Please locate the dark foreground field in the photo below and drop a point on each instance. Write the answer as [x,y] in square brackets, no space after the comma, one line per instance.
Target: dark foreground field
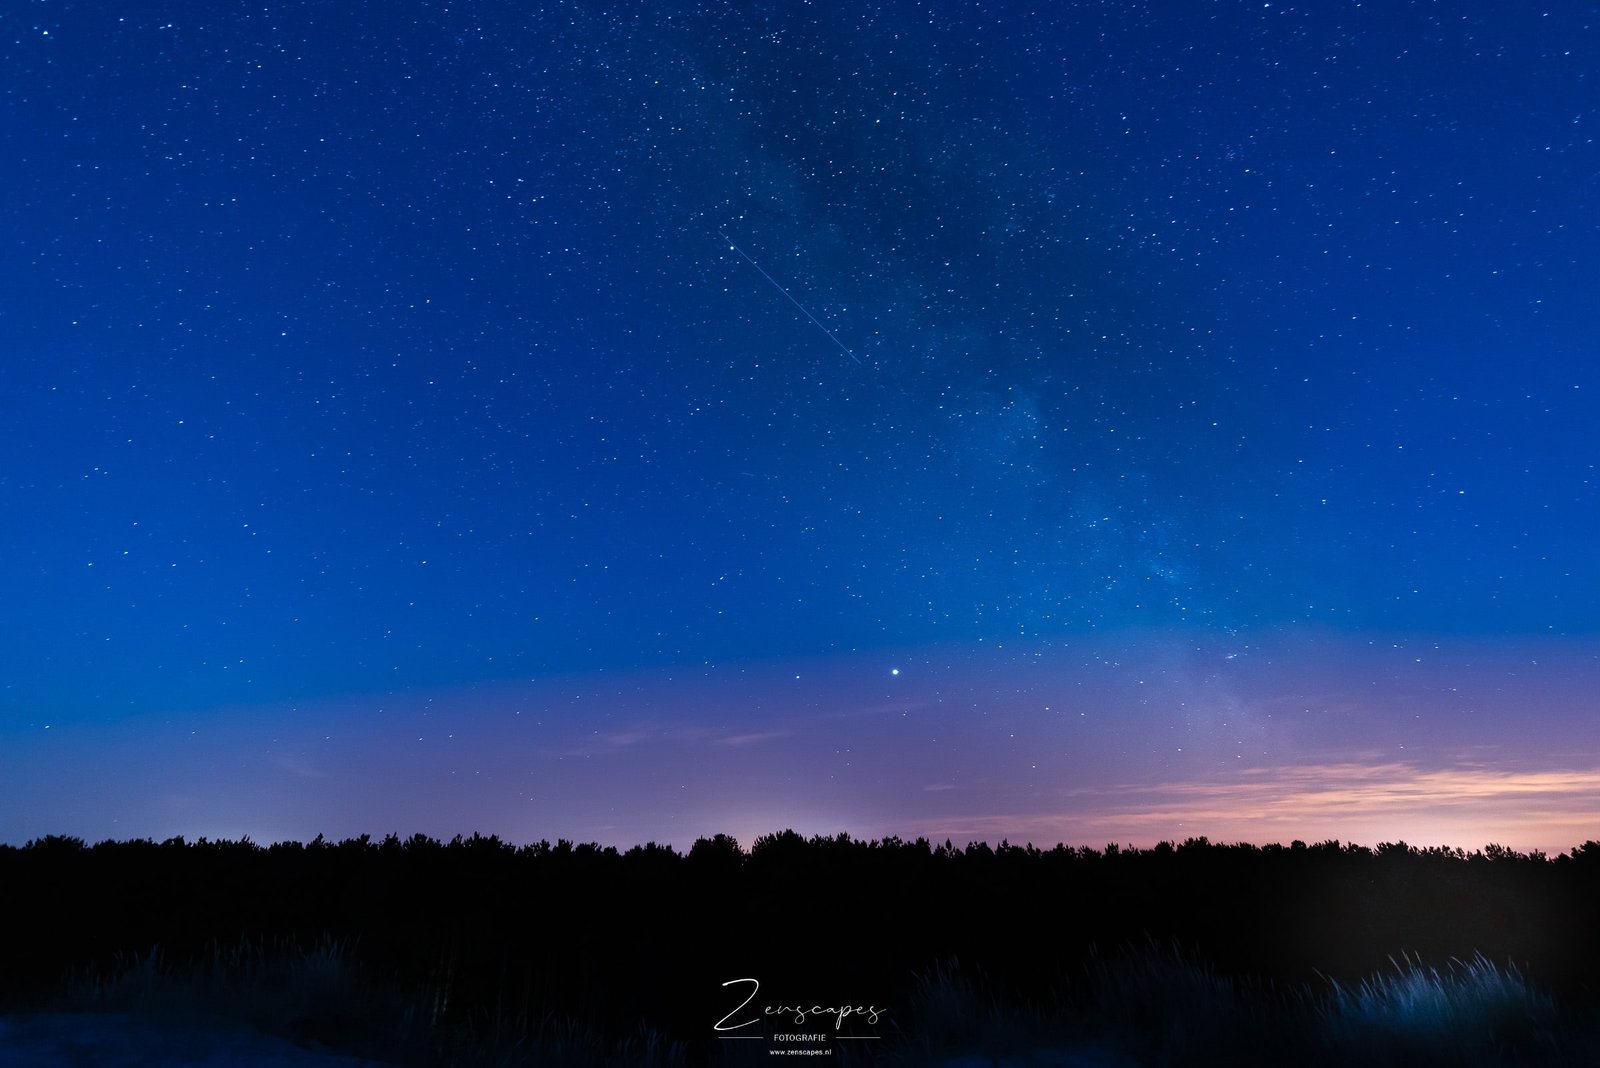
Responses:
[476,952]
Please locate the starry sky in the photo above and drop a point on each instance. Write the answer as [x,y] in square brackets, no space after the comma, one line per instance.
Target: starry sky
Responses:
[1080,421]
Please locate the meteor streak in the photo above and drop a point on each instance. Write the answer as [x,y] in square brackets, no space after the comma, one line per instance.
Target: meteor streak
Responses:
[785,292]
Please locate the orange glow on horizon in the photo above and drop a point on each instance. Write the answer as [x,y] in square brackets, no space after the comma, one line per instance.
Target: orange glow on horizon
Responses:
[1468,808]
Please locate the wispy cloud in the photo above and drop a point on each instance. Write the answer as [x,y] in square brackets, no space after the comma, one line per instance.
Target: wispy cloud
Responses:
[296,766]
[741,741]
[1375,789]
[601,742]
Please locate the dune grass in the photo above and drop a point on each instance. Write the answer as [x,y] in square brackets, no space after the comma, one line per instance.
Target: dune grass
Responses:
[1158,1009]
[1468,1013]
[311,994]
[1152,1008]
[318,997]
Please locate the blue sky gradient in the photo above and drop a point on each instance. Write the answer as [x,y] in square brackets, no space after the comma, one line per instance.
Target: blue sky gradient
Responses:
[433,358]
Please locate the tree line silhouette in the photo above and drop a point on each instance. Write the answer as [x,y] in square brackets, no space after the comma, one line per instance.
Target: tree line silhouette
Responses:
[651,934]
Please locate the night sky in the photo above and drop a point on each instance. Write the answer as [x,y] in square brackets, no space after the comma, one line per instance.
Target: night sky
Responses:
[1073,422]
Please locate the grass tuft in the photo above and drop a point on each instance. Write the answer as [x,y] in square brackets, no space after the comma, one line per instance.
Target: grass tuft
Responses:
[1471,1013]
